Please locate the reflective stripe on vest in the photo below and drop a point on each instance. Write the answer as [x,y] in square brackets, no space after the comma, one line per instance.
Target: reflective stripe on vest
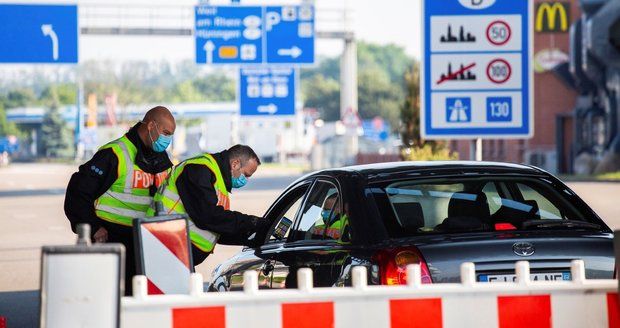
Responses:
[167,200]
[125,200]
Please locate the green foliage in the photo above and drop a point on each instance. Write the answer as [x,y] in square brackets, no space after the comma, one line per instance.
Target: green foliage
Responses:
[410,112]
[20,97]
[64,94]
[56,137]
[377,96]
[324,94]
[380,83]
[415,148]
[428,152]
[6,127]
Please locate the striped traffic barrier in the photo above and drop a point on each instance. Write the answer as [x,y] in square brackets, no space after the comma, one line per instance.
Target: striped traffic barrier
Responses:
[163,254]
[524,303]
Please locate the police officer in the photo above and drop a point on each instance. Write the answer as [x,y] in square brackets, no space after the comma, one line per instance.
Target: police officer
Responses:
[117,185]
[200,187]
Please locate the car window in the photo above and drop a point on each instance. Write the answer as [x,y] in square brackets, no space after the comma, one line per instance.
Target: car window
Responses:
[319,212]
[471,205]
[546,209]
[287,207]
[493,197]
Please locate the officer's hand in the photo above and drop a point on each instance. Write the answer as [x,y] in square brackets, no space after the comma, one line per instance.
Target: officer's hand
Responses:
[262,225]
[101,236]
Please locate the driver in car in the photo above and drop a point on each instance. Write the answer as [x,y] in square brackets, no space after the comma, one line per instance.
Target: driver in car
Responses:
[332,222]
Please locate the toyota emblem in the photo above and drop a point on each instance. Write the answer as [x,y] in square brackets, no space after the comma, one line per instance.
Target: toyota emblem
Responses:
[523,249]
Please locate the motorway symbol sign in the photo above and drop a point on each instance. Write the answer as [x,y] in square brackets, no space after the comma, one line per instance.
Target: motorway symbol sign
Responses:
[476,69]
[254,34]
[38,33]
[267,91]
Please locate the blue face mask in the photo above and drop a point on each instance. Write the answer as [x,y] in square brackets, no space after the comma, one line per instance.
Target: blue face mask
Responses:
[325,214]
[239,181]
[162,142]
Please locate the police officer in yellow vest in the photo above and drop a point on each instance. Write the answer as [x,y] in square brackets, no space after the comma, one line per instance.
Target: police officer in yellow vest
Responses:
[200,187]
[118,183]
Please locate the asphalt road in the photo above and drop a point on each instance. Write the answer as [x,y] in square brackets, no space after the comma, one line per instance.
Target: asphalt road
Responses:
[31,215]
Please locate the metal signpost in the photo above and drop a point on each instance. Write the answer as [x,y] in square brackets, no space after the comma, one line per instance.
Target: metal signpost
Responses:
[267,91]
[254,34]
[476,69]
[38,33]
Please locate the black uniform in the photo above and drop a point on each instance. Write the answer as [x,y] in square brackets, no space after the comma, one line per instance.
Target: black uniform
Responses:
[195,186]
[94,178]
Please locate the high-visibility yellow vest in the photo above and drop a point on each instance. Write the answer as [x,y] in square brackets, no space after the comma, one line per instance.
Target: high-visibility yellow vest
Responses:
[334,230]
[167,200]
[128,198]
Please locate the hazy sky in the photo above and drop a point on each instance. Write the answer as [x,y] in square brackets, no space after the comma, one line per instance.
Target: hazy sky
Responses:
[386,21]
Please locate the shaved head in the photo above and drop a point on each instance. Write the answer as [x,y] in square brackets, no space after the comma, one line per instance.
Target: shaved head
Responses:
[158,120]
[158,114]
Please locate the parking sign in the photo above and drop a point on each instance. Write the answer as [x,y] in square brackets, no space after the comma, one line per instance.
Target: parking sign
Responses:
[476,69]
[254,34]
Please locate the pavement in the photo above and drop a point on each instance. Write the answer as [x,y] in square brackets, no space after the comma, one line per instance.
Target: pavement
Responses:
[31,215]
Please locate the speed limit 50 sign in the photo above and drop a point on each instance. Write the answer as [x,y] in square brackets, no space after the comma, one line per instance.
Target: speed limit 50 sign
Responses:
[477,78]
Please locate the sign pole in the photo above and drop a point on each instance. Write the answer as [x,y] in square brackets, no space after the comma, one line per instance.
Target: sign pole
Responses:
[475,150]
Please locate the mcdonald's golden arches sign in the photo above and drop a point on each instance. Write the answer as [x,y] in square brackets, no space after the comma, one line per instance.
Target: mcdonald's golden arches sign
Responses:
[552,16]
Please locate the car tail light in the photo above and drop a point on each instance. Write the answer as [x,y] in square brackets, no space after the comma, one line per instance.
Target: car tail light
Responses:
[504,226]
[393,265]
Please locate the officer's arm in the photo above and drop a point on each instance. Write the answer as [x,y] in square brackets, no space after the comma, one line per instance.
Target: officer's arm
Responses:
[199,198]
[91,181]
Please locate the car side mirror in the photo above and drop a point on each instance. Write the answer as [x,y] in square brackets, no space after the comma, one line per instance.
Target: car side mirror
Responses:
[280,231]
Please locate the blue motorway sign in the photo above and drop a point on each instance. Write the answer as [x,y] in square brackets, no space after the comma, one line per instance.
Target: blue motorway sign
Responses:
[267,91]
[254,34]
[477,74]
[38,33]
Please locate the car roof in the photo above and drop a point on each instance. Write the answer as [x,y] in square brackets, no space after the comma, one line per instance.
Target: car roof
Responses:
[380,171]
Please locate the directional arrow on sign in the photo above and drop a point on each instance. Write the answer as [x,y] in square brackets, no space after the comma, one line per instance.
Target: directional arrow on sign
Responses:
[209,47]
[48,30]
[294,52]
[268,109]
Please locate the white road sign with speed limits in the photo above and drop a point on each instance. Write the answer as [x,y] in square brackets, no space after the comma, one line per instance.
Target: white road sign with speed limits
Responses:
[477,73]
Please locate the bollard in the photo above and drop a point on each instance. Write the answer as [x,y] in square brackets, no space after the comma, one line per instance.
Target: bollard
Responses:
[414,275]
[578,271]
[250,282]
[140,284]
[196,284]
[522,271]
[359,278]
[468,274]
[304,279]
[83,232]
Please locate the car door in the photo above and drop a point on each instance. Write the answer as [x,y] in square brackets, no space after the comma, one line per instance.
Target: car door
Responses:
[262,258]
[320,239]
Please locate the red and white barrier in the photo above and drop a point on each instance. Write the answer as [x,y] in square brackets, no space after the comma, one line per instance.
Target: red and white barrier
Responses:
[163,254]
[525,303]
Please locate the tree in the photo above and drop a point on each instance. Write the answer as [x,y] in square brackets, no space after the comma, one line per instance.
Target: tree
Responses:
[21,97]
[6,127]
[323,94]
[410,112]
[56,139]
[65,92]
[377,96]
[414,147]
[380,83]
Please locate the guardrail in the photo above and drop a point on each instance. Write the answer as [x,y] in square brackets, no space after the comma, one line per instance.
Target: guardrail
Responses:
[524,303]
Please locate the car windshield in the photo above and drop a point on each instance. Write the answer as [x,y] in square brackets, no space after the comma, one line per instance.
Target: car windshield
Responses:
[475,204]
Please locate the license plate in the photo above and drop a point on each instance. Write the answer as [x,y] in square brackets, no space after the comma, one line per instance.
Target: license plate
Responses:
[551,276]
